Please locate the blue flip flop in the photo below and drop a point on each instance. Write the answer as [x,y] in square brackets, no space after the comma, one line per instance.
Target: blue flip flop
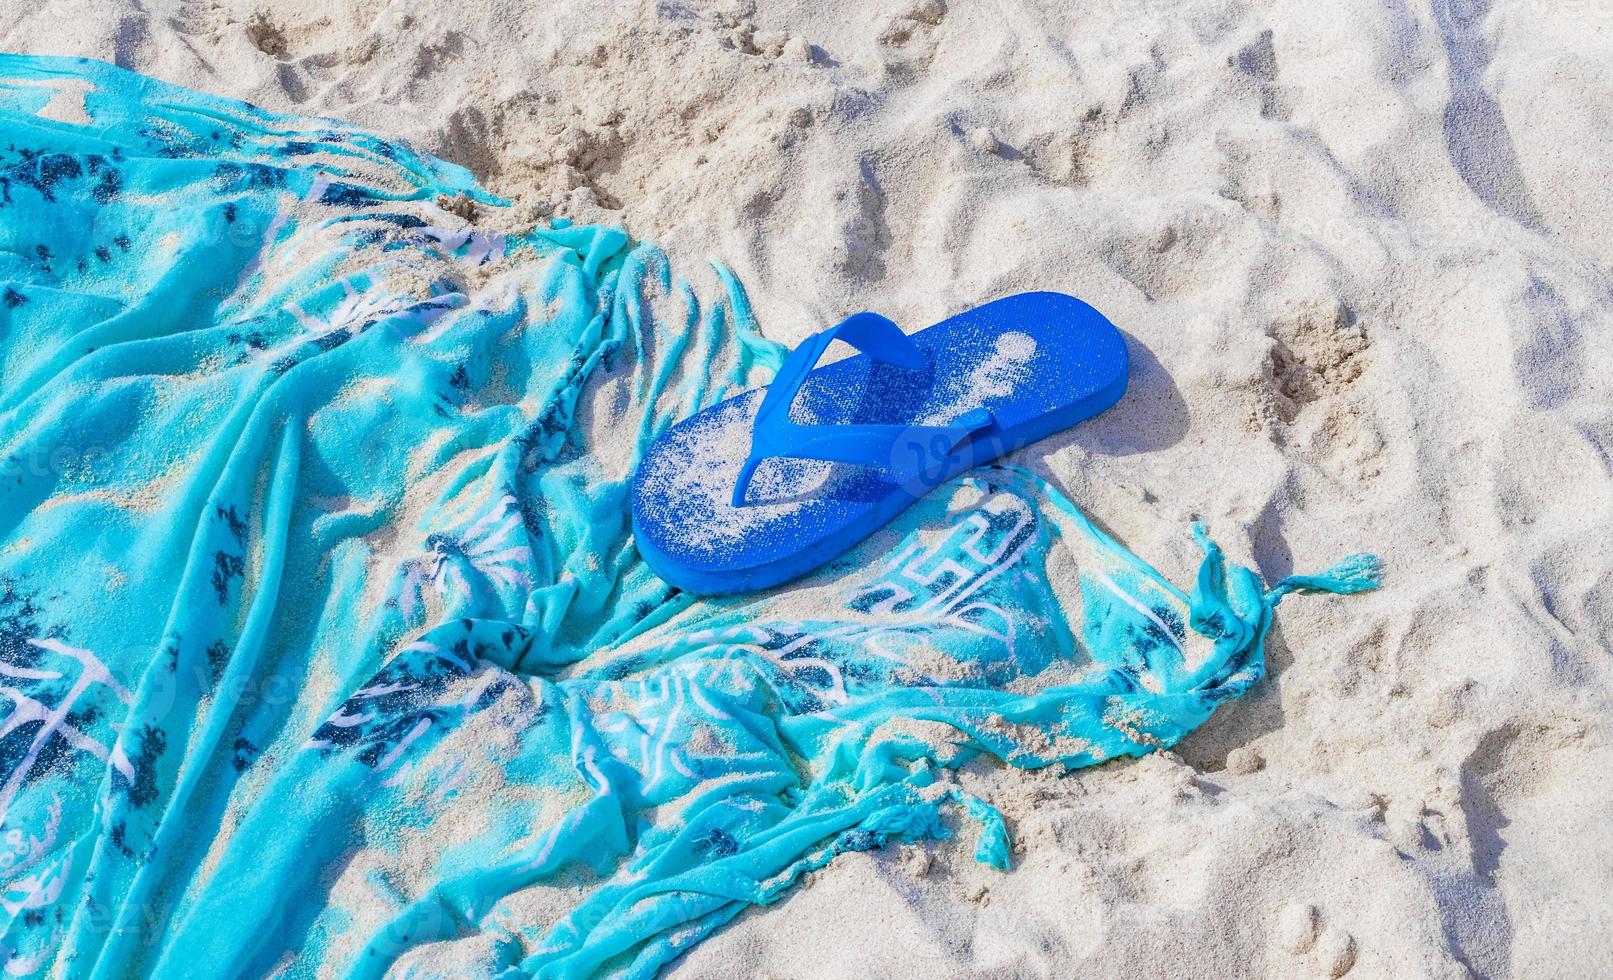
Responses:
[774,482]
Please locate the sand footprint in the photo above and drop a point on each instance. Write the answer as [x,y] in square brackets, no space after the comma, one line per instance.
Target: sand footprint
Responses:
[1318,351]
[913,23]
[267,36]
[1300,931]
[195,18]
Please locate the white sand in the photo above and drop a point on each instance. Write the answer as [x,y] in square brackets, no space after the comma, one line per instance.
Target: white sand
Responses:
[1363,252]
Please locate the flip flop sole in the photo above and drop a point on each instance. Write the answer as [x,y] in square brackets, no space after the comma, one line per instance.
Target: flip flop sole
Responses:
[1039,362]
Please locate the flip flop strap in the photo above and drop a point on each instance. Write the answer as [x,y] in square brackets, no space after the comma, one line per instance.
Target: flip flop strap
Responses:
[904,450]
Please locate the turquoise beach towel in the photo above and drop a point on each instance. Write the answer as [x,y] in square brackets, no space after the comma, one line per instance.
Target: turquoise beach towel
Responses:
[324,647]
